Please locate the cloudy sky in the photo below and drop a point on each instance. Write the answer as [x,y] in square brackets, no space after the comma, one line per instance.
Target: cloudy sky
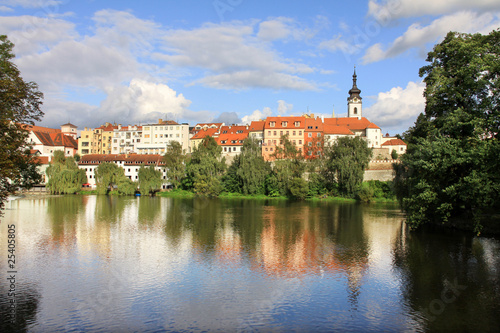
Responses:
[133,62]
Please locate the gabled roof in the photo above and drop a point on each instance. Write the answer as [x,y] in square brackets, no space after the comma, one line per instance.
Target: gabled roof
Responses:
[232,135]
[205,132]
[56,140]
[338,130]
[354,124]
[289,120]
[257,126]
[316,125]
[34,128]
[394,142]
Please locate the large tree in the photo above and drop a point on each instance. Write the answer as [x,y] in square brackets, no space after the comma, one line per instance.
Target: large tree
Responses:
[206,167]
[450,170]
[20,105]
[150,179]
[346,161]
[174,160]
[64,175]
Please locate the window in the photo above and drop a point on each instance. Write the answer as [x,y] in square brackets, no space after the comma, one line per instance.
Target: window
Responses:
[146,135]
[309,135]
[281,133]
[300,132]
[274,133]
[293,133]
[268,132]
[310,144]
[319,135]
[234,148]
[297,124]
[300,142]
[355,110]
[272,123]
[284,124]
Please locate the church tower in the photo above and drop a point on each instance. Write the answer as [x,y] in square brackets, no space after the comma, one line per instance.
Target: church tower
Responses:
[354,100]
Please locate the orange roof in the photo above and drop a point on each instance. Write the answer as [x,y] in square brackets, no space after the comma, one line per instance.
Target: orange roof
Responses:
[107,128]
[314,125]
[233,135]
[257,125]
[394,142]
[205,132]
[372,125]
[34,128]
[334,129]
[351,123]
[132,159]
[41,159]
[279,122]
[56,139]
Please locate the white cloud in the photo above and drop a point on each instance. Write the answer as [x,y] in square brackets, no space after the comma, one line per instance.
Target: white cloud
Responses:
[274,29]
[386,10]
[418,36]
[6,9]
[397,108]
[234,57]
[257,115]
[256,79]
[143,101]
[31,3]
[284,107]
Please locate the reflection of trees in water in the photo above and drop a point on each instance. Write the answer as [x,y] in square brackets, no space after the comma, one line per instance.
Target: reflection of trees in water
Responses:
[450,279]
[27,299]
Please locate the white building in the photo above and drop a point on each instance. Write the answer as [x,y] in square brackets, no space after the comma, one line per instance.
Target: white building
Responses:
[125,139]
[156,137]
[130,163]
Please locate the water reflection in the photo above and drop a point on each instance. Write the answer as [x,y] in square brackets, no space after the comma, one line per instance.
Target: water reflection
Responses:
[150,264]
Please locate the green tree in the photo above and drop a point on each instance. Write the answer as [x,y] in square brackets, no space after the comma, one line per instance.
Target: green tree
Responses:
[108,175]
[299,188]
[20,105]
[231,180]
[174,160]
[150,179]
[394,154]
[253,169]
[205,169]
[346,161]
[64,175]
[450,170]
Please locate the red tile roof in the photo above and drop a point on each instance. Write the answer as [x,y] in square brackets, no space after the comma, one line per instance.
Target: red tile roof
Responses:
[203,133]
[394,142]
[352,123]
[316,125]
[257,125]
[56,139]
[334,129]
[34,128]
[226,139]
[278,122]
[132,159]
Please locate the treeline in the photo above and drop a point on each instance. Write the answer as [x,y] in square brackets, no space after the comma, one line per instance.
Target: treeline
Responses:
[337,172]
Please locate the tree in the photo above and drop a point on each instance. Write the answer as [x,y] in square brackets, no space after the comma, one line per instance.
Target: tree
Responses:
[174,160]
[394,154]
[64,175]
[450,170]
[150,179]
[346,161]
[205,169]
[108,175]
[253,169]
[20,105]
[299,188]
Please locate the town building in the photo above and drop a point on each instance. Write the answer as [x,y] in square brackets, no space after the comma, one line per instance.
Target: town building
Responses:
[47,140]
[97,140]
[156,137]
[130,163]
[125,139]
[277,127]
[256,131]
[231,139]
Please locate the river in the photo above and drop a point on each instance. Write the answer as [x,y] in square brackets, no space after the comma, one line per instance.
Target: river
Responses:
[126,264]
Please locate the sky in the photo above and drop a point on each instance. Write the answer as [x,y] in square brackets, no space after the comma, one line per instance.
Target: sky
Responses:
[233,61]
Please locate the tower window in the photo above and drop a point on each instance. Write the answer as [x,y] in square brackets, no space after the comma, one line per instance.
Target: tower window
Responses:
[355,110]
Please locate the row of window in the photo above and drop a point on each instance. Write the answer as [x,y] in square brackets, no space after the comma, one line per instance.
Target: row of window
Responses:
[282,133]
[284,124]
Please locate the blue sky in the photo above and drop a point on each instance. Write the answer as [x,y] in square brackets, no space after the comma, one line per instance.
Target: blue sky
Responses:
[235,61]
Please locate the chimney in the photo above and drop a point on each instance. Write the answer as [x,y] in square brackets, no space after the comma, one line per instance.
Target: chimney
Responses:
[160,121]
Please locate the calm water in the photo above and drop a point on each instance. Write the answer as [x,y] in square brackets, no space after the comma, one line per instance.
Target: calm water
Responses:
[110,264]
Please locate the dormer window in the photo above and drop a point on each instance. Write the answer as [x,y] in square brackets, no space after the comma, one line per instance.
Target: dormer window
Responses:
[297,124]
[272,123]
[284,124]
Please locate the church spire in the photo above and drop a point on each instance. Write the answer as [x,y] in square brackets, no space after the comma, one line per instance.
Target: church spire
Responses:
[354,92]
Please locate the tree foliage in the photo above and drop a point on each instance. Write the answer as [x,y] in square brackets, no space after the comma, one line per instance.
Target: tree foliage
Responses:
[150,179]
[450,169]
[205,169]
[175,160]
[20,105]
[108,176]
[253,169]
[346,161]
[64,175]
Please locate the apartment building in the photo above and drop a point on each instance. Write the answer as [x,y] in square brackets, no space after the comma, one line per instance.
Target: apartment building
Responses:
[156,137]
[277,127]
[125,139]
